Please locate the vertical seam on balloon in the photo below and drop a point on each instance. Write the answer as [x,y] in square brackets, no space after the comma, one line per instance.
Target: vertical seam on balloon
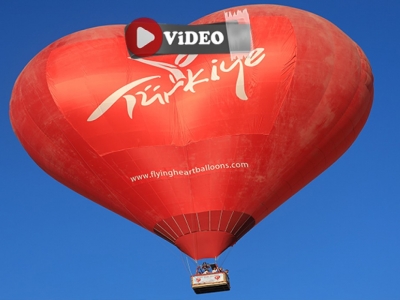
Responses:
[231,171]
[184,217]
[198,221]
[177,225]
[244,229]
[165,233]
[209,220]
[151,186]
[248,203]
[220,218]
[236,223]
[226,228]
[240,227]
[219,224]
[171,228]
[190,187]
[266,141]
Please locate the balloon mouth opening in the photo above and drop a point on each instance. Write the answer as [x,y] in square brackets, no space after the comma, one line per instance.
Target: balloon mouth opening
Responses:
[206,234]
[203,245]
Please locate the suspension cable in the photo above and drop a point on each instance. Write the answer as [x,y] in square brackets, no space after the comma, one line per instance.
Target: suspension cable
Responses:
[227,254]
[187,266]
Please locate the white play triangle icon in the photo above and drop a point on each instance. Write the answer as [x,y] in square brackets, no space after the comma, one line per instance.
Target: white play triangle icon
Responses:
[143,37]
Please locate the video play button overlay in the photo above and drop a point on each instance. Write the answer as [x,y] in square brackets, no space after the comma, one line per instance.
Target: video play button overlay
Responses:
[143,37]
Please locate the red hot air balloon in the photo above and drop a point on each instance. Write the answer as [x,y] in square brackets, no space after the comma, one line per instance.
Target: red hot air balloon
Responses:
[197,149]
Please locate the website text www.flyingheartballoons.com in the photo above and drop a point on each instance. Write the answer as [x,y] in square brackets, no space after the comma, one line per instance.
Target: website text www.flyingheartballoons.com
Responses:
[195,170]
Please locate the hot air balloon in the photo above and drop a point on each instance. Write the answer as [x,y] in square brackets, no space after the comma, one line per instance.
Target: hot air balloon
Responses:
[197,149]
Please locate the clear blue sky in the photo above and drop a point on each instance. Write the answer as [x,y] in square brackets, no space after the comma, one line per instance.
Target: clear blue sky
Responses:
[338,238]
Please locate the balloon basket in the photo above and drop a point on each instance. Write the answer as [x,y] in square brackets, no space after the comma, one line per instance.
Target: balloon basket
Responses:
[210,283]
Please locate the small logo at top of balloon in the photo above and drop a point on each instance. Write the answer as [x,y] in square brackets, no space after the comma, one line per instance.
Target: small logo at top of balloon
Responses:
[145,37]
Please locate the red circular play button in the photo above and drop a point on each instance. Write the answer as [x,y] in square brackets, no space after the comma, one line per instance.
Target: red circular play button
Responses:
[143,37]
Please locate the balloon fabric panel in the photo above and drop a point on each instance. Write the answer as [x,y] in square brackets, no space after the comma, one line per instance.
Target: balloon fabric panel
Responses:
[197,149]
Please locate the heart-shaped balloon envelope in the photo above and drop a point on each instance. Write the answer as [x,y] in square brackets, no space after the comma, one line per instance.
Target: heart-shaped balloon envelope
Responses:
[195,148]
